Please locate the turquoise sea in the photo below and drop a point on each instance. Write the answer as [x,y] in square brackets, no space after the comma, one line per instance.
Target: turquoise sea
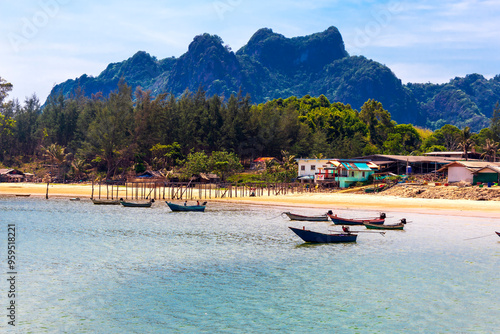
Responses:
[84,268]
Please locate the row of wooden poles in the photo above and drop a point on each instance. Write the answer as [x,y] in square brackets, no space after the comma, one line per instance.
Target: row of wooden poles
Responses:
[186,190]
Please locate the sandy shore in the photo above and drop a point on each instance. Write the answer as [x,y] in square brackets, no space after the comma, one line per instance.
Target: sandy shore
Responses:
[324,201]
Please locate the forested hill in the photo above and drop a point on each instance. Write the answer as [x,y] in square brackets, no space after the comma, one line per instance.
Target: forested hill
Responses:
[272,66]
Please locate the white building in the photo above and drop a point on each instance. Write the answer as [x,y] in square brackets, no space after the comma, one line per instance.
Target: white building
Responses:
[472,171]
[308,168]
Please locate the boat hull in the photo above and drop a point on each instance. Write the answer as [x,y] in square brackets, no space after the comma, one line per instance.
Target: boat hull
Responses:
[293,216]
[498,233]
[105,201]
[384,227]
[180,208]
[316,237]
[136,205]
[347,221]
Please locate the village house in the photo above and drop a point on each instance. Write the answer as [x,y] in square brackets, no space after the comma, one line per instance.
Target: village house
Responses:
[308,168]
[472,171]
[335,172]
[260,163]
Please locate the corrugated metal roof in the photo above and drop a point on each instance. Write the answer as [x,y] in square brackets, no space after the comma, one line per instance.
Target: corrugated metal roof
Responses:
[349,165]
[471,165]
[407,158]
[496,169]
[363,166]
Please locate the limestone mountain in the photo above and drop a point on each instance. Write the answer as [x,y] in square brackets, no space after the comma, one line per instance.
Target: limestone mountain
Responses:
[273,66]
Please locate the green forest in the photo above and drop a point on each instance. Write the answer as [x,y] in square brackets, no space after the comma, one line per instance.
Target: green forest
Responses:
[108,137]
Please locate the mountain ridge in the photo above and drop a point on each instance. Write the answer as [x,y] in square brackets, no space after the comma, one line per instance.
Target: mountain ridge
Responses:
[273,66]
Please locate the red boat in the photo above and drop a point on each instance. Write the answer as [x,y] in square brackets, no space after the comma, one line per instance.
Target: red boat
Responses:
[498,233]
[361,221]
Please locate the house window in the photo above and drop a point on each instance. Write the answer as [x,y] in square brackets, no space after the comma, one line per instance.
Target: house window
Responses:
[363,174]
[302,167]
[352,174]
[313,167]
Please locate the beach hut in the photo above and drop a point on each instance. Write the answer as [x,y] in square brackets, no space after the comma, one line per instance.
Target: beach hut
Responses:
[11,175]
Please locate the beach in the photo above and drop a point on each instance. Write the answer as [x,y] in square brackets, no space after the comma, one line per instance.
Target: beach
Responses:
[324,201]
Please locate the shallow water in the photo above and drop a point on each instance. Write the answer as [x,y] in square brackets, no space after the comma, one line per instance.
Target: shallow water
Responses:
[84,268]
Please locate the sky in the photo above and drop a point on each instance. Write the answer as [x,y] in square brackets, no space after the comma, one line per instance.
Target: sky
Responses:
[46,42]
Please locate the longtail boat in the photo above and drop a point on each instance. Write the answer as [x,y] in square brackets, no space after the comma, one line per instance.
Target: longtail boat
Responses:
[361,221]
[293,216]
[177,208]
[137,205]
[498,233]
[399,226]
[317,237]
[106,201]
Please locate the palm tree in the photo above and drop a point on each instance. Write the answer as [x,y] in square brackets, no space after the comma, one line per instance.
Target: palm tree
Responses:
[56,155]
[289,162]
[490,150]
[79,166]
[466,141]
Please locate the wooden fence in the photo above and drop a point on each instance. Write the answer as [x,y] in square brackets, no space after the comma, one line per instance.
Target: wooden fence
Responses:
[188,190]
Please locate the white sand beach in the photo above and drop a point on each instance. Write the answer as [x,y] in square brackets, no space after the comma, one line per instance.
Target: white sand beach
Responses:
[325,201]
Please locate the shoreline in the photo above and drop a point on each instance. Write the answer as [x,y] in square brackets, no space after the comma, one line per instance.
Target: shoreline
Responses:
[324,201]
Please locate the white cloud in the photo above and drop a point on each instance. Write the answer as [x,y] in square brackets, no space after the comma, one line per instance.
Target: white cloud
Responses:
[422,72]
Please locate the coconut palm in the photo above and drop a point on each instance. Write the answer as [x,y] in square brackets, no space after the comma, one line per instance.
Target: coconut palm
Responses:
[56,155]
[79,166]
[490,150]
[466,141]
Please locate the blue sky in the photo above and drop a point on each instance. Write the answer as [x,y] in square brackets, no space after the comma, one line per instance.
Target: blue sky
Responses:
[46,42]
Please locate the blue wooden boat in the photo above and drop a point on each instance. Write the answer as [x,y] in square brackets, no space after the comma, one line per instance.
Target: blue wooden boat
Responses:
[177,207]
[317,237]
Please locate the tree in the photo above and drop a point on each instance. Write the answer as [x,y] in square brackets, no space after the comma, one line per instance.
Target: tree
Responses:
[165,156]
[79,168]
[403,140]
[57,156]
[5,88]
[495,122]
[196,163]
[490,150]
[6,134]
[448,136]
[224,164]
[109,135]
[378,121]
[26,119]
[466,141]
